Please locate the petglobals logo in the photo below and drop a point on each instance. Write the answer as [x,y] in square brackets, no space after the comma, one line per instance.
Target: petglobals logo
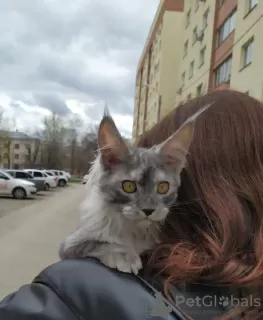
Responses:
[209,301]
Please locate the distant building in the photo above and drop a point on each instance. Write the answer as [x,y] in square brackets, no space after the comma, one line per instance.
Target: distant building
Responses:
[19,150]
[158,67]
[196,49]
[219,46]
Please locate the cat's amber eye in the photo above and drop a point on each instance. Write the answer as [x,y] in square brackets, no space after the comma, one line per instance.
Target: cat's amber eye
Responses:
[129,186]
[163,187]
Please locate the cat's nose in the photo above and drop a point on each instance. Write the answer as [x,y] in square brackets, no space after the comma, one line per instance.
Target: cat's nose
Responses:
[148,212]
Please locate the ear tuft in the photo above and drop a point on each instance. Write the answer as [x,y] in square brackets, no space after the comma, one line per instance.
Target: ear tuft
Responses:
[106,111]
[176,147]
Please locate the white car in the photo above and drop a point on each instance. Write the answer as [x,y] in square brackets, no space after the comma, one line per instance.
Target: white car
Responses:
[17,188]
[50,181]
[51,175]
[67,174]
[85,179]
[62,178]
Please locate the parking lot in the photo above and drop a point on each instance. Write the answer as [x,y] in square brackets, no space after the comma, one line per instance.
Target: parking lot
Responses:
[31,231]
[8,204]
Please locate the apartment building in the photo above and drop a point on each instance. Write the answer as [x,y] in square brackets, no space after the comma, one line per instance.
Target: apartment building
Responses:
[196,49]
[18,150]
[231,41]
[156,77]
[246,72]
[220,48]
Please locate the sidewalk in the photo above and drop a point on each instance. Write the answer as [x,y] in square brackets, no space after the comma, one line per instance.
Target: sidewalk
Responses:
[30,237]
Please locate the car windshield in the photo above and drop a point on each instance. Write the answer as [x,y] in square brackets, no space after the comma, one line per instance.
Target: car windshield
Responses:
[7,174]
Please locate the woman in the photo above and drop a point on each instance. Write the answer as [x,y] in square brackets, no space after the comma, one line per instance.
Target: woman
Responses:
[211,260]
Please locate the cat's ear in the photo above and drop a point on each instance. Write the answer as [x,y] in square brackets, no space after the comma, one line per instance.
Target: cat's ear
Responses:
[175,148]
[112,147]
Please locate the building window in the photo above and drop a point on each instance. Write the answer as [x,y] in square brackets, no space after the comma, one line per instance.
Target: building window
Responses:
[223,72]
[227,27]
[16,146]
[188,18]
[196,4]
[191,69]
[183,78]
[185,48]
[246,54]
[189,96]
[159,109]
[5,155]
[199,90]
[205,19]
[156,67]
[194,35]
[202,57]
[251,5]
[16,156]
[6,145]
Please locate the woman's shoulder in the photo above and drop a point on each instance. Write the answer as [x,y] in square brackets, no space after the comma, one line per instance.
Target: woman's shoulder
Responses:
[88,274]
[89,288]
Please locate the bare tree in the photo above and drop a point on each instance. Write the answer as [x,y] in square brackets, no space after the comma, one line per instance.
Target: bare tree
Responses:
[33,150]
[53,141]
[5,140]
[73,126]
[87,150]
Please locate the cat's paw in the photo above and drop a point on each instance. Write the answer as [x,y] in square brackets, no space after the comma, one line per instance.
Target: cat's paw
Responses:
[65,251]
[69,250]
[125,262]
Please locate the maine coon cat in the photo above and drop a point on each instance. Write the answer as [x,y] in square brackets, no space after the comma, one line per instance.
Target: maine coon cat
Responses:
[129,194]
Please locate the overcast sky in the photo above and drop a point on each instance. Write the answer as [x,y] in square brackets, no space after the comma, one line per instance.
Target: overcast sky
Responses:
[70,56]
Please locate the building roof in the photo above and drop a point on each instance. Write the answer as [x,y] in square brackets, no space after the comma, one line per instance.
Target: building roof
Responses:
[16,135]
[164,5]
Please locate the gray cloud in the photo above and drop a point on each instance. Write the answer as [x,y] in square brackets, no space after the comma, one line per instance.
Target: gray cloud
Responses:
[85,50]
[53,103]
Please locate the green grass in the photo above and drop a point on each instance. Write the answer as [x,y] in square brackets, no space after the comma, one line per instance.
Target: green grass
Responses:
[75,181]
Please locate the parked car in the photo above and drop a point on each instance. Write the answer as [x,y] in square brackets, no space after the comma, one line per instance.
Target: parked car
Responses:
[17,188]
[51,182]
[85,179]
[67,174]
[51,175]
[62,178]
[20,174]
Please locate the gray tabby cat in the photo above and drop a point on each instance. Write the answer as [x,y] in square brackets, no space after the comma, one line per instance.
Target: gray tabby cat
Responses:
[129,194]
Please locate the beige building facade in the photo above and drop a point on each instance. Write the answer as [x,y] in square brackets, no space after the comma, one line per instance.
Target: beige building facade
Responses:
[219,46]
[18,150]
[196,49]
[246,73]
[156,80]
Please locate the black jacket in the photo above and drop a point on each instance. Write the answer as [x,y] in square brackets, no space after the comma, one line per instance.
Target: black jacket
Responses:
[87,290]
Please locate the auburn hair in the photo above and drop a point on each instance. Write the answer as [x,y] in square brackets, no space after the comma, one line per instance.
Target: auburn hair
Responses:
[215,230]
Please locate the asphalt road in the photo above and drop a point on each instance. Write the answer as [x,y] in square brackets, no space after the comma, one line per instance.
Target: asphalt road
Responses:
[30,236]
[9,204]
